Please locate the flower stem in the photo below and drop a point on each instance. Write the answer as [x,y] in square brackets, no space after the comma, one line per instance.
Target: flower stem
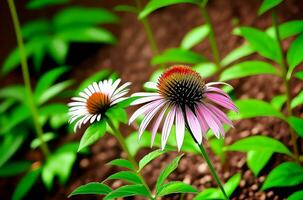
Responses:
[211,36]
[131,158]
[26,78]
[284,67]
[148,31]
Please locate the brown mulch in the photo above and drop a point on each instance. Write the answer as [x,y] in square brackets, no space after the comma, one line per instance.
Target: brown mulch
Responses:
[130,58]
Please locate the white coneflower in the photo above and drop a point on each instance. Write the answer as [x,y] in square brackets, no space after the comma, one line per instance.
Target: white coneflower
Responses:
[183,99]
[95,100]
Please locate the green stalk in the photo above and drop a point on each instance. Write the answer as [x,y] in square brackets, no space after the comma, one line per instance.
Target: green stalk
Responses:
[211,36]
[148,31]
[131,158]
[284,67]
[26,78]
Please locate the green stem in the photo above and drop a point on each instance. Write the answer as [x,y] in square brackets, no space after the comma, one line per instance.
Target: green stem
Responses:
[211,36]
[212,170]
[26,78]
[148,31]
[284,67]
[131,158]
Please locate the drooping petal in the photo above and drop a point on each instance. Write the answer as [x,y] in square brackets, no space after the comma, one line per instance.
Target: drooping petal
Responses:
[217,90]
[218,83]
[144,94]
[157,123]
[221,115]
[193,124]
[145,108]
[180,127]
[202,121]
[146,99]
[222,101]
[167,126]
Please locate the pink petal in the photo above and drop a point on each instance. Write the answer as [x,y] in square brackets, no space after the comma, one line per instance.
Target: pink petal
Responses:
[217,90]
[194,124]
[157,124]
[145,100]
[221,115]
[167,126]
[180,127]
[222,101]
[217,83]
[202,121]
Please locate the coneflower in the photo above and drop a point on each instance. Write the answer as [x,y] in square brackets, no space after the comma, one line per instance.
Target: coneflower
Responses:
[182,98]
[95,100]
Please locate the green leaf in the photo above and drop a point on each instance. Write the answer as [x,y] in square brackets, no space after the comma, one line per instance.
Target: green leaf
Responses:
[58,49]
[53,109]
[297,124]
[177,55]
[299,75]
[127,191]
[256,160]
[236,54]
[259,143]
[46,138]
[122,163]
[53,91]
[91,188]
[176,187]
[195,36]
[156,4]
[287,29]
[38,4]
[35,27]
[149,157]
[65,154]
[166,172]
[10,144]
[296,195]
[26,184]
[48,79]
[216,146]
[87,34]
[16,92]
[249,108]
[116,113]
[80,16]
[262,43]
[126,8]
[92,134]
[13,168]
[295,54]
[205,69]
[278,101]
[248,68]
[268,4]
[284,175]
[298,100]
[131,177]
[215,193]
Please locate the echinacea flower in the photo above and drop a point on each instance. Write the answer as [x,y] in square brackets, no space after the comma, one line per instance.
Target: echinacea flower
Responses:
[95,100]
[182,98]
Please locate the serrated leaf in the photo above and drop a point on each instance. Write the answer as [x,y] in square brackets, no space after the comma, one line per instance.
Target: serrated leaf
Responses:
[298,100]
[296,195]
[248,68]
[26,183]
[177,55]
[156,4]
[294,55]
[122,163]
[256,160]
[284,175]
[13,168]
[48,79]
[149,157]
[80,16]
[92,134]
[166,172]
[127,191]
[236,54]
[297,124]
[91,188]
[176,187]
[259,143]
[262,43]
[131,177]
[195,36]
[260,109]
[268,4]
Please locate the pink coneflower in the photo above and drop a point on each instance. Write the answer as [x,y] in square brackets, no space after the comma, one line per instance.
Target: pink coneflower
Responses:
[182,98]
[95,100]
